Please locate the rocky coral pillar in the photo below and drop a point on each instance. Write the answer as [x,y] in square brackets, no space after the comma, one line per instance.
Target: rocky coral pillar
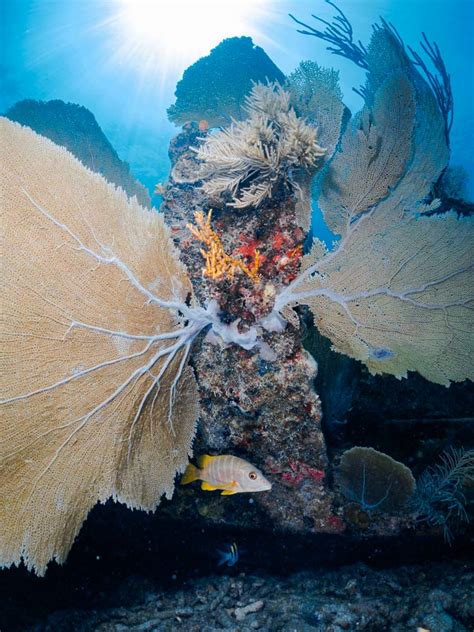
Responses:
[258,404]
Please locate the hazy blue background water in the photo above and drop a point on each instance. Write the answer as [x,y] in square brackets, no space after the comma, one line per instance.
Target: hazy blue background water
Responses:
[92,53]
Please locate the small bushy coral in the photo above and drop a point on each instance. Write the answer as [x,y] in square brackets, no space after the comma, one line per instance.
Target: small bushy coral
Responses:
[439,499]
[251,159]
[219,264]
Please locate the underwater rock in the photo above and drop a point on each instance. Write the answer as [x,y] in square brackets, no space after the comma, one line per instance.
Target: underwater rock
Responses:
[214,88]
[260,406]
[75,127]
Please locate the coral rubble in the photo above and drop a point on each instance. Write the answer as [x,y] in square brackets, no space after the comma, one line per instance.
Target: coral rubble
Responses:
[357,597]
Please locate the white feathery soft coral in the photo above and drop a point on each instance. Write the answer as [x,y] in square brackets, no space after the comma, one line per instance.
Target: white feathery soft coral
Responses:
[251,158]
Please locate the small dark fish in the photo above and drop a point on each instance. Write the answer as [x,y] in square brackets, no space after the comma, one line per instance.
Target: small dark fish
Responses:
[229,556]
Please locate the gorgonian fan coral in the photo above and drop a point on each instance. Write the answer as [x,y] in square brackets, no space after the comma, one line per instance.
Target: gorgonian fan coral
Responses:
[396,291]
[374,480]
[316,96]
[97,398]
[252,158]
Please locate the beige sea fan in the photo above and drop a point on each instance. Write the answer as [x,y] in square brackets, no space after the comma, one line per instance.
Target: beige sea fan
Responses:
[397,290]
[251,158]
[316,97]
[398,297]
[386,57]
[374,152]
[396,143]
[97,401]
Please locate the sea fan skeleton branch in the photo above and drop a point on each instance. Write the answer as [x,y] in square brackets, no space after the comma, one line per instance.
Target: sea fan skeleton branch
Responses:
[372,321]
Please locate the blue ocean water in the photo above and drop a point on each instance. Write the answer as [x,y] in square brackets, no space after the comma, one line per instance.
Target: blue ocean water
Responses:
[122,58]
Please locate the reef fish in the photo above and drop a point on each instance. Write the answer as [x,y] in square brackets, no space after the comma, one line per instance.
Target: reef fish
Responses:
[228,473]
[230,556]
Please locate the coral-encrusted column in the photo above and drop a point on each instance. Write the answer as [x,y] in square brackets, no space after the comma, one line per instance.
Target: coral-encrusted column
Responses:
[258,404]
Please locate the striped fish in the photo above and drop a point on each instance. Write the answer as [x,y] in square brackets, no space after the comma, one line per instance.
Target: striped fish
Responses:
[230,556]
[228,473]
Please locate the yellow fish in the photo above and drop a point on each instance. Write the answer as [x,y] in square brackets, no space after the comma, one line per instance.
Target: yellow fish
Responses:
[226,472]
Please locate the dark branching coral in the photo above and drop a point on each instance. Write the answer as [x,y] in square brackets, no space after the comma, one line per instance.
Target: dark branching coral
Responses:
[440,83]
[215,87]
[439,499]
[451,190]
[374,480]
[339,34]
